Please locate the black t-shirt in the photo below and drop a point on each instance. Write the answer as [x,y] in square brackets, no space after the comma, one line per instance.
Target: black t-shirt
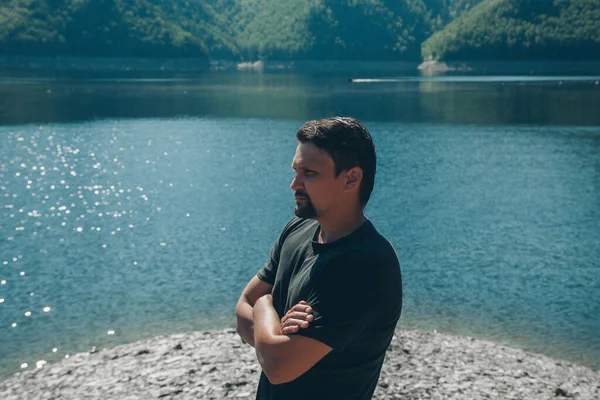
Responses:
[355,289]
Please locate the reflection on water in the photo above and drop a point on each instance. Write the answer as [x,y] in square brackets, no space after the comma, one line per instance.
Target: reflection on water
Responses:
[501,103]
[114,231]
[463,99]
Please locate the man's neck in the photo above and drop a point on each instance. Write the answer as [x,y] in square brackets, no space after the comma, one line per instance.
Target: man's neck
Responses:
[332,230]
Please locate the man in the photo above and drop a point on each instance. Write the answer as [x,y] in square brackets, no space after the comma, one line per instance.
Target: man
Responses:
[322,311]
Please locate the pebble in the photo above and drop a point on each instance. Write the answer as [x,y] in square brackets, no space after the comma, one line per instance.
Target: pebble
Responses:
[215,365]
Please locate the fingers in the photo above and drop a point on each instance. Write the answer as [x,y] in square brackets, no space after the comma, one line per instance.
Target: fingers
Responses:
[288,330]
[302,316]
[292,325]
[298,308]
[302,307]
[295,322]
[298,315]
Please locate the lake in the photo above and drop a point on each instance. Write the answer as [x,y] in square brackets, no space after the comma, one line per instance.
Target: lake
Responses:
[135,206]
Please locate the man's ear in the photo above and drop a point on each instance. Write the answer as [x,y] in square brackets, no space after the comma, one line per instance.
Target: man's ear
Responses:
[353,178]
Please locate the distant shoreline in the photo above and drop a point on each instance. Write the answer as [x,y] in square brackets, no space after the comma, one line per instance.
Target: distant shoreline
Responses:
[510,67]
[215,365]
[353,68]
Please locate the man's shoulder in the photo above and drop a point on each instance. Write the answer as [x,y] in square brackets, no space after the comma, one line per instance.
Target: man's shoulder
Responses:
[371,259]
[376,265]
[296,222]
[373,246]
[296,225]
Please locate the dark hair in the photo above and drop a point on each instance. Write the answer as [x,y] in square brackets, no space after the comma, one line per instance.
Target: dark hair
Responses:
[348,143]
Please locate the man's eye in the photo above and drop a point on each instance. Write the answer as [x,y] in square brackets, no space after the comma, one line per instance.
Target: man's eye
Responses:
[310,173]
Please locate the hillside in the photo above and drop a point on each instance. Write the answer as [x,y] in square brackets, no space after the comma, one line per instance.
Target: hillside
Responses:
[112,28]
[445,11]
[332,29]
[234,29]
[520,30]
[229,29]
[368,30]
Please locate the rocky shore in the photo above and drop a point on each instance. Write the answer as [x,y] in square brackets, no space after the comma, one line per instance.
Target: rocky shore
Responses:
[216,365]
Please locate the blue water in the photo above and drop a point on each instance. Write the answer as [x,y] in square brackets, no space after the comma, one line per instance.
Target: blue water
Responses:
[113,230]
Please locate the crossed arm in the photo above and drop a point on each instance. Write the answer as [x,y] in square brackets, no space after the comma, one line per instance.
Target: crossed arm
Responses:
[282,355]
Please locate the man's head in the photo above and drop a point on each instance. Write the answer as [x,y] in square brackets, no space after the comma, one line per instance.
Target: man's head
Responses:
[335,166]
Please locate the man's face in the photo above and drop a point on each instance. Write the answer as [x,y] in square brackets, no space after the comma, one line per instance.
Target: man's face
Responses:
[315,186]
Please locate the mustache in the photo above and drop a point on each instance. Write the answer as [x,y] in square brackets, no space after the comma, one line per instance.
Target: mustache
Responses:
[300,193]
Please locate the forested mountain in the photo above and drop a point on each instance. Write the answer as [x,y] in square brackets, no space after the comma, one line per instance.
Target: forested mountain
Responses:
[300,30]
[444,11]
[331,29]
[337,29]
[521,30]
[283,29]
[113,28]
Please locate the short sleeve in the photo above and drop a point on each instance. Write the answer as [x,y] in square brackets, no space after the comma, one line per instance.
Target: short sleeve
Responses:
[344,302]
[269,270]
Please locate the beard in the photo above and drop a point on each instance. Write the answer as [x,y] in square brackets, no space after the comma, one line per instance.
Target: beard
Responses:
[307,210]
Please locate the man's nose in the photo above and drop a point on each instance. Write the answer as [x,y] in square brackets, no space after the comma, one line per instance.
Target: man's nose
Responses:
[296,183]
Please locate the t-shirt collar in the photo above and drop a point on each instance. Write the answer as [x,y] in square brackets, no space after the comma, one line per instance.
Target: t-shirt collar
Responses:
[319,248]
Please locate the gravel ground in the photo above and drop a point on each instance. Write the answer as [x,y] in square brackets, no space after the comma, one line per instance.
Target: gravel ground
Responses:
[216,365]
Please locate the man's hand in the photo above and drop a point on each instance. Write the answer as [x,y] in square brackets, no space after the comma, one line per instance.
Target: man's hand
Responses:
[283,358]
[297,317]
